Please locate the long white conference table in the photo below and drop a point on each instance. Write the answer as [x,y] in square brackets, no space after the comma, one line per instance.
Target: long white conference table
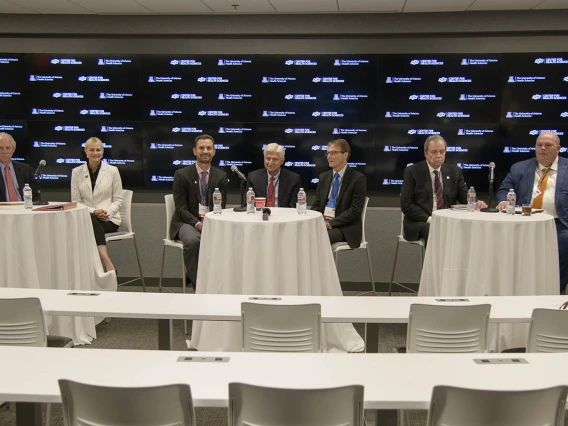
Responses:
[391,381]
[166,307]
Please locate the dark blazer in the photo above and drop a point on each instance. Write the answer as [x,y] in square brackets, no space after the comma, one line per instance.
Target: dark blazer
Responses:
[288,185]
[350,203]
[416,194]
[521,178]
[187,195]
[24,174]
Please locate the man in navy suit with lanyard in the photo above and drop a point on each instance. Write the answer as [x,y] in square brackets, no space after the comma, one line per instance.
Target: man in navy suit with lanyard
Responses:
[193,197]
[543,182]
[278,185]
[340,196]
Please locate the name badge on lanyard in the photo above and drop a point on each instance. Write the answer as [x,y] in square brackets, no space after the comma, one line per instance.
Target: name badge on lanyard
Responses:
[203,210]
[329,213]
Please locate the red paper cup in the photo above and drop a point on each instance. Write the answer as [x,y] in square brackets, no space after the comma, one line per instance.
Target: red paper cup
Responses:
[260,202]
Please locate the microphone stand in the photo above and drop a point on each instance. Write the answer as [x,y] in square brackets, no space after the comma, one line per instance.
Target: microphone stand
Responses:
[38,202]
[243,206]
[490,209]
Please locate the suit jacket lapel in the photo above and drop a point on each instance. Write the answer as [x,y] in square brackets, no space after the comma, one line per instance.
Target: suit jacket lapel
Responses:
[326,187]
[428,184]
[560,177]
[100,177]
[194,182]
[344,183]
[447,184]
[2,188]
[529,180]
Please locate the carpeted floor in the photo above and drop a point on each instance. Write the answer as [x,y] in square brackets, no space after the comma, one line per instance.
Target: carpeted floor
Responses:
[121,333]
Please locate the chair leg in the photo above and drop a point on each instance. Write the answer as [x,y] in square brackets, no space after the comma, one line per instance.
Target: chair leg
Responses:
[139,264]
[393,267]
[48,415]
[162,270]
[370,270]
[183,285]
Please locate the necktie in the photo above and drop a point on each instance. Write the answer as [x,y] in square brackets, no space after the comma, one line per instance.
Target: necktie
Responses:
[203,187]
[271,196]
[537,202]
[12,194]
[440,204]
[334,192]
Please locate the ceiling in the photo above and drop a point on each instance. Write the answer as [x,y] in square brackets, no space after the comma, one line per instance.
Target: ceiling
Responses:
[153,7]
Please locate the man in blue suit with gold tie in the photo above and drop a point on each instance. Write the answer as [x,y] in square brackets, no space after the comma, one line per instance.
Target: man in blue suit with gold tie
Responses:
[543,181]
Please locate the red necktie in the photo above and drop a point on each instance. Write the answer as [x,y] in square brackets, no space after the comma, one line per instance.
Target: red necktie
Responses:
[271,196]
[440,204]
[12,194]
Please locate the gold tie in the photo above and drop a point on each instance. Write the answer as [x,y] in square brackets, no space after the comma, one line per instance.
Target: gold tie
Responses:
[537,202]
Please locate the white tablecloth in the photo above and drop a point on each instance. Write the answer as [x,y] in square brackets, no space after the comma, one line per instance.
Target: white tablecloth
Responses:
[491,254]
[289,254]
[53,250]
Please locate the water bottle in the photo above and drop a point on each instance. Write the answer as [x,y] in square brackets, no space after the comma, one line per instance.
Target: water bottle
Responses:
[28,203]
[511,201]
[217,199]
[250,201]
[471,195]
[301,205]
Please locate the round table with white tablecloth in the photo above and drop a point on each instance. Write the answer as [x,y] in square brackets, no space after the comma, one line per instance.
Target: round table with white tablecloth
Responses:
[289,254]
[53,250]
[491,254]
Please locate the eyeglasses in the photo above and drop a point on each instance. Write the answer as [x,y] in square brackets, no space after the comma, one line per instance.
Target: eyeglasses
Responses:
[332,153]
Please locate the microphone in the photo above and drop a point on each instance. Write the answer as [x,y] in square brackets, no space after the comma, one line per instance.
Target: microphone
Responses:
[39,167]
[265,213]
[238,173]
[491,172]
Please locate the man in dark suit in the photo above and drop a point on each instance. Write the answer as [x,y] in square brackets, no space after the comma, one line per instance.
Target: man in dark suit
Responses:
[340,196]
[430,185]
[13,174]
[193,197]
[543,182]
[278,185]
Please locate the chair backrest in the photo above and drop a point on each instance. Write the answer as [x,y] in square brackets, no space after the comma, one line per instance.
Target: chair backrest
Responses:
[364,217]
[548,331]
[281,328]
[457,406]
[22,323]
[126,210]
[447,329]
[170,208]
[85,405]
[257,405]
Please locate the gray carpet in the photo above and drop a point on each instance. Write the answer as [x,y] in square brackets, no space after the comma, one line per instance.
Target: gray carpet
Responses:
[122,333]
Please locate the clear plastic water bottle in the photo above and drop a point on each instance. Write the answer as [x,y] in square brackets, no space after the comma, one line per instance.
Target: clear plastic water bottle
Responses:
[511,201]
[28,203]
[302,201]
[250,201]
[471,199]
[217,199]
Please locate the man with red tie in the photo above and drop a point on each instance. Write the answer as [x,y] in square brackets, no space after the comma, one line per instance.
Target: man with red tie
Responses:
[278,185]
[13,174]
[543,182]
[428,186]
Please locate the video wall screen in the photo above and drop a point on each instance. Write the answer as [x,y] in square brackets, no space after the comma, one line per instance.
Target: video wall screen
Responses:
[147,110]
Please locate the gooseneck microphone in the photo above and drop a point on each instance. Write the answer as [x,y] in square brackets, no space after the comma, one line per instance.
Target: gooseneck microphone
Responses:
[41,165]
[235,170]
[490,209]
[243,178]
[265,213]
[491,172]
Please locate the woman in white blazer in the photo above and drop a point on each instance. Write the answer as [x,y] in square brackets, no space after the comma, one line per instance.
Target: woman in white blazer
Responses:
[98,186]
